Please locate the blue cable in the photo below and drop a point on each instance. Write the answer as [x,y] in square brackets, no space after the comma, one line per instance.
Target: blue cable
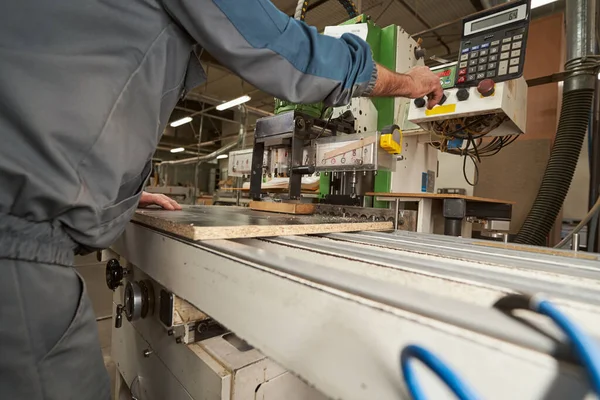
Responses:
[460,389]
[585,347]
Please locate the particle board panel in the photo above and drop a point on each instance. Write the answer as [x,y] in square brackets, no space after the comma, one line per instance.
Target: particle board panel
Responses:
[227,222]
[283,208]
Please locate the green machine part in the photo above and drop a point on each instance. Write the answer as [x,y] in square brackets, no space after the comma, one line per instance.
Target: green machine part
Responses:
[383,42]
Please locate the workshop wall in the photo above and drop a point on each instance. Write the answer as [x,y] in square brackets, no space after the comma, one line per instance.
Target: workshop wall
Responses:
[516,172]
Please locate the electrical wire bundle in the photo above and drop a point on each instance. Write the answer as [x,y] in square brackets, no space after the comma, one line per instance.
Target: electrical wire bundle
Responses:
[474,130]
[583,346]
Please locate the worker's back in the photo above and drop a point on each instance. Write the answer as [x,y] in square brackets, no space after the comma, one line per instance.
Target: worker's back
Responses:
[86,87]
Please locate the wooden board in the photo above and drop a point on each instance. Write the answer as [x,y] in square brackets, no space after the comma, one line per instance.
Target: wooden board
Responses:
[184,312]
[228,222]
[283,208]
[440,196]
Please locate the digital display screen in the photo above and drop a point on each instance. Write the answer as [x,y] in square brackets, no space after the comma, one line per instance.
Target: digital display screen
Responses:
[444,73]
[495,19]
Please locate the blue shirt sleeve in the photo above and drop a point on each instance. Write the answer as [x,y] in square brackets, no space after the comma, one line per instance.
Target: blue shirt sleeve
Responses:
[279,55]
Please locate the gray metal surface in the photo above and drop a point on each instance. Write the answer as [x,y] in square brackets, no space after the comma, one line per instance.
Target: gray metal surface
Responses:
[341,331]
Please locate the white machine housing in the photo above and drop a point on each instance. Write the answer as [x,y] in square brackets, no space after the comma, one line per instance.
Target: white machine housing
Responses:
[509,98]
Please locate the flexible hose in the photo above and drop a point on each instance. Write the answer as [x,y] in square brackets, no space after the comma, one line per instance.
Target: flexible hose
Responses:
[302,8]
[574,118]
[453,381]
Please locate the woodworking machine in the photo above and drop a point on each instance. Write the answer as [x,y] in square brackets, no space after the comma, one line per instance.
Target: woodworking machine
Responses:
[317,317]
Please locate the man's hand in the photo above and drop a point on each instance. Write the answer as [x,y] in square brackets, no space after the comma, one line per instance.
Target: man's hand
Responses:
[425,83]
[418,82]
[158,199]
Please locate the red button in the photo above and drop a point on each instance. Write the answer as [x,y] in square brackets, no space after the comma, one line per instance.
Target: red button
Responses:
[461,79]
[462,71]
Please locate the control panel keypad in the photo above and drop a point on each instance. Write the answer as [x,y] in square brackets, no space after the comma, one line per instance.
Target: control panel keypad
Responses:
[498,55]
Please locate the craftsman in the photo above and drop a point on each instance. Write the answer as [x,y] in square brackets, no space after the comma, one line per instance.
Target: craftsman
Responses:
[86,89]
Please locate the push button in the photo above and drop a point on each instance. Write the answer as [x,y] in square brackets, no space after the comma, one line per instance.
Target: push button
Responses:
[517,37]
[480,75]
[493,58]
[517,45]
[464,57]
[506,40]
[505,47]
[461,79]
[462,94]
[464,64]
[472,70]
[474,54]
[491,65]
[513,70]
[514,61]
[473,62]
[471,77]
[462,71]
[495,43]
[503,67]
[490,74]
[482,60]
[485,45]
[483,53]
[481,68]
[504,56]
[515,53]
[494,50]
[486,87]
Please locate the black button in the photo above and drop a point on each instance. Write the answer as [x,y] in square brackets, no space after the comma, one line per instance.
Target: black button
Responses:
[472,63]
[420,102]
[494,50]
[481,68]
[480,75]
[491,74]
[483,53]
[462,94]
[471,77]
[493,58]
[492,65]
[474,54]
[482,60]
[472,70]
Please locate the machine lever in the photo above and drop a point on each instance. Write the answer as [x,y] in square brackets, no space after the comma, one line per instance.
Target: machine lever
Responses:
[304,169]
[119,316]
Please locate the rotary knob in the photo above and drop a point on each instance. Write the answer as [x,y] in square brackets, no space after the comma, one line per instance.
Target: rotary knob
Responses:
[114,274]
[462,94]
[420,102]
[486,87]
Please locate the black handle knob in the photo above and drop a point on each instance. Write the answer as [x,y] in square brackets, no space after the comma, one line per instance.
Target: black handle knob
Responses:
[114,274]
[443,99]
[462,94]
[119,316]
[420,102]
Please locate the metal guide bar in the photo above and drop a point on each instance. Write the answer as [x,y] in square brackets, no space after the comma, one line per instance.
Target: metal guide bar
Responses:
[442,268]
[490,255]
[343,332]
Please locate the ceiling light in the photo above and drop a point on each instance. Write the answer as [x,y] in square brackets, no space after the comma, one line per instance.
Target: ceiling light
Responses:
[181,121]
[539,3]
[233,103]
[222,156]
[177,150]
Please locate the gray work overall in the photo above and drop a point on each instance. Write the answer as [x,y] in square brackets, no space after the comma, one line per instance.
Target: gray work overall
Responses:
[86,90]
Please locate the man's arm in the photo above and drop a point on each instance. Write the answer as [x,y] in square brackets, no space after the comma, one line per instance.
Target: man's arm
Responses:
[418,82]
[279,55]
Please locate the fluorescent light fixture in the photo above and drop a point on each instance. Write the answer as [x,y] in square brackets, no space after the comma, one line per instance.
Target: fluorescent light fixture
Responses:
[181,121]
[177,150]
[539,3]
[233,103]
[222,156]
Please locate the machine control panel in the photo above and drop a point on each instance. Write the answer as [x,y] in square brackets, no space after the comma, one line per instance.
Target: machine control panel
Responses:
[493,46]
